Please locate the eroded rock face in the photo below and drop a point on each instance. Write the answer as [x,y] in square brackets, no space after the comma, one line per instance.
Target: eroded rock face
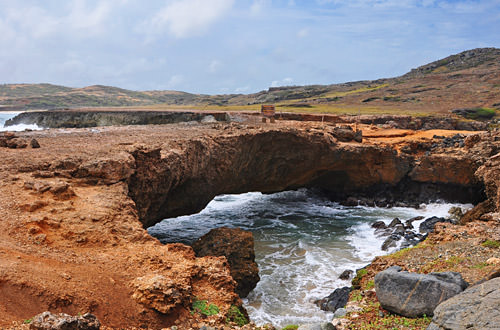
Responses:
[237,246]
[161,293]
[412,294]
[475,308]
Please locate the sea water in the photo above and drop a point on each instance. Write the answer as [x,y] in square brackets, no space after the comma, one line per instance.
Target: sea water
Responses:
[303,242]
[4,116]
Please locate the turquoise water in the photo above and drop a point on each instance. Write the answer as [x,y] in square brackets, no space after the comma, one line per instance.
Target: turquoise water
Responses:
[302,244]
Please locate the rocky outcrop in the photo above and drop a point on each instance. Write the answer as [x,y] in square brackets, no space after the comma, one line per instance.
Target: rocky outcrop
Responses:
[337,299]
[428,225]
[413,295]
[85,118]
[475,308]
[237,246]
[62,321]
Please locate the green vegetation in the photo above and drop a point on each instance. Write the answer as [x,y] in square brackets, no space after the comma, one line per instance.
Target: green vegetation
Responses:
[234,315]
[481,113]
[480,265]
[356,281]
[369,285]
[491,244]
[28,321]
[201,307]
[291,327]
[372,318]
[356,296]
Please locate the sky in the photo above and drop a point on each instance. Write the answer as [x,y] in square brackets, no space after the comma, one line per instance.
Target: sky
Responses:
[233,46]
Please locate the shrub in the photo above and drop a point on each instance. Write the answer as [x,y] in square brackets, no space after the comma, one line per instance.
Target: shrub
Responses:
[356,281]
[200,306]
[236,316]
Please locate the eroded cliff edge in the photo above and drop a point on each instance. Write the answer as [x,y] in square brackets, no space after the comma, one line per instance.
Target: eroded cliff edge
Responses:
[75,210]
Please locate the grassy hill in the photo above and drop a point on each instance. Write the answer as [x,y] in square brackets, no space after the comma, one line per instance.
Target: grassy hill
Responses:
[468,79]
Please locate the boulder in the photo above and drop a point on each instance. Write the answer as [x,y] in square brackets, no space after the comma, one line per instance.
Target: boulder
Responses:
[337,299]
[391,241]
[428,225]
[346,274]
[475,308]
[395,222]
[238,247]
[61,321]
[412,294]
[16,143]
[34,144]
[378,225]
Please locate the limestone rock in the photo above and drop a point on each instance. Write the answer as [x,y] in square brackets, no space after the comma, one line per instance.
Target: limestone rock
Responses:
[412,294]
[337,299]
[238,248]
[161,293]
[61,321]
[475,308]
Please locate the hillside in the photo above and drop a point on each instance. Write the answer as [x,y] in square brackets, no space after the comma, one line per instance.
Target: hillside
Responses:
[467,79]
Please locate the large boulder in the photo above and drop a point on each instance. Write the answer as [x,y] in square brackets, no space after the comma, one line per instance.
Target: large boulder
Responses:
[478,307]
[427,226]
[337,299]
[61,321]
[412,294]
[238,248]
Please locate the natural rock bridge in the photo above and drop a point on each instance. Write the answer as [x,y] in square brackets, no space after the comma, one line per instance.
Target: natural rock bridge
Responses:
[74,211]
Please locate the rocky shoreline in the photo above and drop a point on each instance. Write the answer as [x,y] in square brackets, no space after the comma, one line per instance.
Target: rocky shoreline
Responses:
[75,209]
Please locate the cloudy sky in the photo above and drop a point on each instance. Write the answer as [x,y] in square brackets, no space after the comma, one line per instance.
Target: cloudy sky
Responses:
[233,46]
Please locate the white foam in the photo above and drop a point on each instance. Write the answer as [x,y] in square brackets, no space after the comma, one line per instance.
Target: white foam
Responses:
[20,128]
[6,115]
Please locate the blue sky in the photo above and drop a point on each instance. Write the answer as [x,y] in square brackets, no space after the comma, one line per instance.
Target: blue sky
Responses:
[233,46]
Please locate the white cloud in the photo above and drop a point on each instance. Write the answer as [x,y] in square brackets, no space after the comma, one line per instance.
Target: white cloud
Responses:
[214,66]
[175,81]
[303,33]
[185,18]
[284,82]
[90,19]
[242,89]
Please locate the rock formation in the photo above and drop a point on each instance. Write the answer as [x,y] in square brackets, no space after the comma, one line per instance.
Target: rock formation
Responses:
[237,246]
[74,212]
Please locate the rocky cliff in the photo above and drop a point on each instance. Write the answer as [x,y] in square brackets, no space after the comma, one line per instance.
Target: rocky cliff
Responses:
[72,237]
